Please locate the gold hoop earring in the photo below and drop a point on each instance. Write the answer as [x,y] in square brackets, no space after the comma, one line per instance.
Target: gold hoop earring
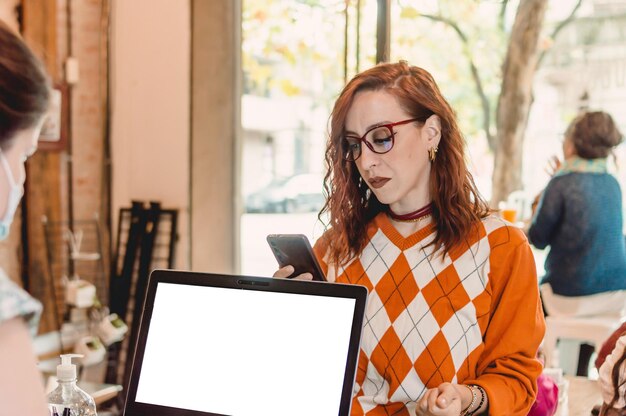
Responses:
[432,153]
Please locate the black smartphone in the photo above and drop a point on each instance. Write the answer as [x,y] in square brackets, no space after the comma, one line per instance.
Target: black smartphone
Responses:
[295,250]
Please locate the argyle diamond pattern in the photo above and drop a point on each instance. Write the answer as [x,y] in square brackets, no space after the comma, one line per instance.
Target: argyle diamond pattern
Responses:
[421,319]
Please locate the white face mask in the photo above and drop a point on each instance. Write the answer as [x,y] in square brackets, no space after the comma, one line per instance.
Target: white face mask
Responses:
[13,200]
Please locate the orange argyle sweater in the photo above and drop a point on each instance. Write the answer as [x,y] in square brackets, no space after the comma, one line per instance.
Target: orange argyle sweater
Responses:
[472,316]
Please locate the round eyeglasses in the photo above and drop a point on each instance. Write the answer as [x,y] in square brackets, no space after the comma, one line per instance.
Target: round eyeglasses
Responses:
[379,139]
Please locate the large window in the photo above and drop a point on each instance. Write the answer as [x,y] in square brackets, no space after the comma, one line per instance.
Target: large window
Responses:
[297,55]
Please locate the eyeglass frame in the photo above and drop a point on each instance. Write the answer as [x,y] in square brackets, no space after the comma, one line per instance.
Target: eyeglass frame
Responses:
[389,127]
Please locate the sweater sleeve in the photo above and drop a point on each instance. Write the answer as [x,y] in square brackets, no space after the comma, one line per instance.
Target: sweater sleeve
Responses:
[508,367]
[547,216]
[606,372]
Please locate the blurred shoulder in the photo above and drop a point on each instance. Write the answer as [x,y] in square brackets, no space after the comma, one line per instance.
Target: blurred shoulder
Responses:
[16,302]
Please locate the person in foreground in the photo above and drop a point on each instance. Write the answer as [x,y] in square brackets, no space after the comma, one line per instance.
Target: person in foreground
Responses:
[453,321]
[612,374]
[579,215]
[24,95]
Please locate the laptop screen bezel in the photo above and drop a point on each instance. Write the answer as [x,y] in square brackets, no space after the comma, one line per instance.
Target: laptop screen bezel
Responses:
[356,292]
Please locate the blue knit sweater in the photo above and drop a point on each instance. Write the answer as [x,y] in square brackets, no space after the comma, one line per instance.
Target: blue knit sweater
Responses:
[580,217]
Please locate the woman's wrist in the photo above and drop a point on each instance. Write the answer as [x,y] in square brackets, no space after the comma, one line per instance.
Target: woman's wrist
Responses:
[467,402]
[473,401]
[466,395]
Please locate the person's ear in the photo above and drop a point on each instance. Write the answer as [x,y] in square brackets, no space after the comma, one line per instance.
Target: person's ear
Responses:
[569,150]
[432,130]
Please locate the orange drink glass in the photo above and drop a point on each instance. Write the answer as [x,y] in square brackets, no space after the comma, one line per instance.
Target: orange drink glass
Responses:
[509,214]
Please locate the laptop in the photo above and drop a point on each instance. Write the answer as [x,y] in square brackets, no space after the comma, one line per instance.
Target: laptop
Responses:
[214,344]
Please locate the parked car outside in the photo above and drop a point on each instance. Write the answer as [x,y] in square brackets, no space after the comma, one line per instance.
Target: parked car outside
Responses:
[297,193]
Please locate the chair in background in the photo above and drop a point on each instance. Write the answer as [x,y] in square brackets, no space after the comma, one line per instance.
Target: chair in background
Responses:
[572,320]
[146,240]
[594,330]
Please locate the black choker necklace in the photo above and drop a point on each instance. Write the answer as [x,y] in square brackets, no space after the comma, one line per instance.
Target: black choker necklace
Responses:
[414,216]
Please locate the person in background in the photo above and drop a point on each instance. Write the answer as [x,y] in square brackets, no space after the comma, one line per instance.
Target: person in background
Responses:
[24,96]
[453,321]
[579,215]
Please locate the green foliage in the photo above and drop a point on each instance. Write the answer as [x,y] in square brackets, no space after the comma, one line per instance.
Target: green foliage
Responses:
[426,33]
[428,38]
[292,48]
[296,48]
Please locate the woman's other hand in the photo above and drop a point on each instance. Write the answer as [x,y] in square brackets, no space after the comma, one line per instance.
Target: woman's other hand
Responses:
[445,400]
[288,270]
[554,164]
[534,203]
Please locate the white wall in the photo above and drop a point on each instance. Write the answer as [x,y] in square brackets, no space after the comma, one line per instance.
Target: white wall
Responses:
[150,101]
[215,164]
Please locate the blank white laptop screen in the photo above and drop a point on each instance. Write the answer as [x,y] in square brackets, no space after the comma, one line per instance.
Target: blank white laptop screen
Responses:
[245,352]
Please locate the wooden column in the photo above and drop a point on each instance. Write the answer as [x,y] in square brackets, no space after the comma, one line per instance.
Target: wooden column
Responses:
[383,31]
[215,127]
[44,184]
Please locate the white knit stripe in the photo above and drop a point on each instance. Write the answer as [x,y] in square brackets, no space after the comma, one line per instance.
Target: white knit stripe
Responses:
[366,403]
[411,387]
[375,325]
[423,269]
[475,260]
[463,334]
[417,325]
[492,223]
[378,256]
[374,384]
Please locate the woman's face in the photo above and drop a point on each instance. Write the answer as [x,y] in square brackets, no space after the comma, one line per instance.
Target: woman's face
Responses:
[22,147]
[400,177]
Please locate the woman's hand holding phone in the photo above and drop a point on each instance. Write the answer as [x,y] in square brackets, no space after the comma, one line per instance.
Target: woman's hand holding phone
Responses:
[295,257]
[287,271]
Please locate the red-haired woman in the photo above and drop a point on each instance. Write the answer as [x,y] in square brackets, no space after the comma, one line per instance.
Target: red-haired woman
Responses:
[453,321]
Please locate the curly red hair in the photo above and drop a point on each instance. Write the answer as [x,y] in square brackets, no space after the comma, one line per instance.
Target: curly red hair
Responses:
[457,204]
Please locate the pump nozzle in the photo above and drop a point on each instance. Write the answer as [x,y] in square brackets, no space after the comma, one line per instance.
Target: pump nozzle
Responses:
[66,371]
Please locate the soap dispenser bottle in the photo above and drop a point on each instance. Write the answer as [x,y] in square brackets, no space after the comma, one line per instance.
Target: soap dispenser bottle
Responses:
[68,399]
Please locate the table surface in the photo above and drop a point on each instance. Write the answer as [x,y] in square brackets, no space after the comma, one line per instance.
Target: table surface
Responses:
[582,395]
[99,391]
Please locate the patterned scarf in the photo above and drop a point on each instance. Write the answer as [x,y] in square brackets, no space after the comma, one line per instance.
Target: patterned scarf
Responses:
[580,165]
